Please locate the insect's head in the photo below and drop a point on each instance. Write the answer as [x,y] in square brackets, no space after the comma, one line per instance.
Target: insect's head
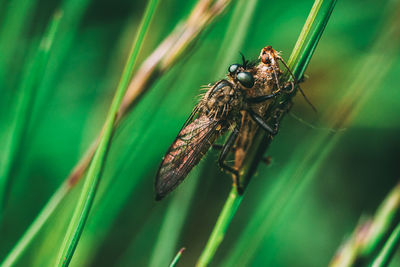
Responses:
[268,55]
[238,72]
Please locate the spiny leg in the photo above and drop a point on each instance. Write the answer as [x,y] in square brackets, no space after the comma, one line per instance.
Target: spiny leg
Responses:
[260,121]
[259,99]
[224,153]
[297,83]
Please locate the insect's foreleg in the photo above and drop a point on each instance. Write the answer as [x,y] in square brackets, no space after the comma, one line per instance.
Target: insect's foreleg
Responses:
[260,121]
[224,153]
[259,99]
[297,82]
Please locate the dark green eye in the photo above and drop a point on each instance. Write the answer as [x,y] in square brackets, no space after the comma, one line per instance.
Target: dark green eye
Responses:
[246,79]
[233,68]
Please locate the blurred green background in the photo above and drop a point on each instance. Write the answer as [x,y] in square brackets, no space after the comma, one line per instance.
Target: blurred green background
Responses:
[126,226]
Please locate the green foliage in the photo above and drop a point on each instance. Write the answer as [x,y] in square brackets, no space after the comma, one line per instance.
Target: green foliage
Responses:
[295,212]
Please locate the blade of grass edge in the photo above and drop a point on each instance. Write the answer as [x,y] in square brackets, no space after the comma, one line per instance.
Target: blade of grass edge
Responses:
[232,203]
[82,210]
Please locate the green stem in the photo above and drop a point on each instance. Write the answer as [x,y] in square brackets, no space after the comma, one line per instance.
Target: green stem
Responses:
[220,228]
[383,259]
[85,202]
[177,257]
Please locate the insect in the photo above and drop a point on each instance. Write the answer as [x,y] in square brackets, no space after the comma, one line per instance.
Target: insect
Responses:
[235,104]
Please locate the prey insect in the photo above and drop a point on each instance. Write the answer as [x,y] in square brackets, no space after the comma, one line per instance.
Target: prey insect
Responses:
[235,104]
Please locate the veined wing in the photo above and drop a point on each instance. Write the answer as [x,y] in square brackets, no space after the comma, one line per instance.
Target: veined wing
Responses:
[192,142]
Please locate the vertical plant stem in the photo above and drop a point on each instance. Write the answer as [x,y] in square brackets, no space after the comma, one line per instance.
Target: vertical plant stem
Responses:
[304,33]
[230,207]
[82,210]
[177,257]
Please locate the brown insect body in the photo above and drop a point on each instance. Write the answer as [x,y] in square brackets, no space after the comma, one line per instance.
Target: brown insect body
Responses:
[225,106]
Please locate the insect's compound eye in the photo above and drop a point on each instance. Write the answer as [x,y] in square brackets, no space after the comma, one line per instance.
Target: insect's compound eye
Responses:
[246,79]
[233,68]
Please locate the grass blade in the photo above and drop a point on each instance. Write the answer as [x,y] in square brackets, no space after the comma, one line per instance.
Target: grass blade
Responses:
[177,257]
[298,60]
[389,249]
[220,228]
[367,238]
[94,173]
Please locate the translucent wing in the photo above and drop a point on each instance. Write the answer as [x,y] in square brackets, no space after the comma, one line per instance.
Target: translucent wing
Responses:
[192,142]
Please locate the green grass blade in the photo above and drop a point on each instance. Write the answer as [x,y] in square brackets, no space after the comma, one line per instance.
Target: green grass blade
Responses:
[217,236]
[27,90]
[177,257]
[305,32]
[233,201]
[388,250]
[299,64]
[94,173]
[368,237]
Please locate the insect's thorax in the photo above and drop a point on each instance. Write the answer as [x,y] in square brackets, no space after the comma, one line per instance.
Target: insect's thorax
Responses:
[223,101]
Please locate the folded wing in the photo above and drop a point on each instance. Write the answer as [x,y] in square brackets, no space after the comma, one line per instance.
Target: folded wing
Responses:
[192,142]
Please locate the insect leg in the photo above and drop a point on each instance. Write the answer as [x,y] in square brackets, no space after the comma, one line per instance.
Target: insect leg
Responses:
[260,121]
[224,153]
[259,99]
[297,83]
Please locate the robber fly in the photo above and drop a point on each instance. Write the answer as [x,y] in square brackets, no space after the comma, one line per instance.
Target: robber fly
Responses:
[228,105]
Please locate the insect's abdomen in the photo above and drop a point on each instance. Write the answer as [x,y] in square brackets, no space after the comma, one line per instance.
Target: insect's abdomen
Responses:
[192,142]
